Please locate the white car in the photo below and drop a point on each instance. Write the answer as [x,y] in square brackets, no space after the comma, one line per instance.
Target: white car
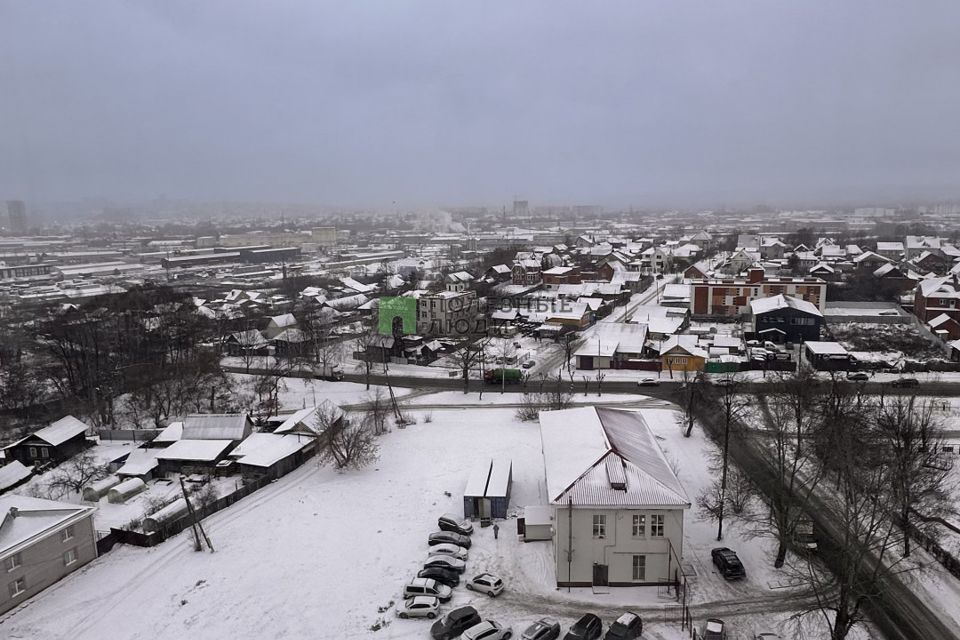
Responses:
[427,587]
[448,549]
[648,382]
[447,562]
[486,583]
[487,630]
[419,607]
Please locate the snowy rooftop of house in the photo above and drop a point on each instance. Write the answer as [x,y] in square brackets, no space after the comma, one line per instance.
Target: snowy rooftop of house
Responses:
[500,473]
[359,287]
[676,292]
[24,518]
[773,303]
[306,420]
[11,474]
[265,449]
[215,426]
[889,246]
[171,433]
[687,343]
[612,337]
[283,320]
[601,456]
[198,450]
[62,430]
[139,462]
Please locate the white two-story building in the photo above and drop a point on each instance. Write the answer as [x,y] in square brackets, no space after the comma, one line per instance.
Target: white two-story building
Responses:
[618,506]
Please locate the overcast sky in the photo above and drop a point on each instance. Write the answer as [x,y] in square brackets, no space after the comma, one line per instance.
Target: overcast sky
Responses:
[450,102]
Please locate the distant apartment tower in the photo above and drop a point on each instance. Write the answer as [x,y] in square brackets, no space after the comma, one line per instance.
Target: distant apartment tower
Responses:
[17,213]
[325,236]
[521,208]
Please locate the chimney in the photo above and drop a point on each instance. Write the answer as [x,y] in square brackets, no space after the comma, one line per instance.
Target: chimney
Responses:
[755,274]
[13,512]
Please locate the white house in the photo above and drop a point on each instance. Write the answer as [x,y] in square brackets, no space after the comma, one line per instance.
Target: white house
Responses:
[618,506]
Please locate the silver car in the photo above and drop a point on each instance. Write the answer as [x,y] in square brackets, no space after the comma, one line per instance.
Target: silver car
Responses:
[486,583]
[419,607]
[452,550]
[447,562]
[487,630]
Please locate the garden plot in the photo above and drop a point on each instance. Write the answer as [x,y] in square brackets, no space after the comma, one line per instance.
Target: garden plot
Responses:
[890,343]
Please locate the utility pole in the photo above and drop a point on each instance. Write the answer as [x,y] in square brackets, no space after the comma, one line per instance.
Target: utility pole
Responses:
[194,523]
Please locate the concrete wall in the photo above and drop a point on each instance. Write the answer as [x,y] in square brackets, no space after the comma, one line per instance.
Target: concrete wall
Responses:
[42,563]
[617,549]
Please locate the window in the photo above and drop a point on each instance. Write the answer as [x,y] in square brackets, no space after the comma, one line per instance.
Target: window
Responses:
[17,587]
[44,452]
[639,525]
[599,526]
[13,562]
[639,568]
[656,526]
[33,452]
[66,534]
[70,557]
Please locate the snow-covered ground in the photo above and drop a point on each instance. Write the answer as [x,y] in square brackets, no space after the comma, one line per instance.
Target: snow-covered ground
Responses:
[324,554]
[298,393]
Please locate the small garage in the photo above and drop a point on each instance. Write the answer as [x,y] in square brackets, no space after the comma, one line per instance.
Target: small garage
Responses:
[536,524]
[487,494]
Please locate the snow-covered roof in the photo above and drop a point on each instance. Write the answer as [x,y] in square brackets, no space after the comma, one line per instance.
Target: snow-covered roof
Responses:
[359,287]
[501,472]
[12,473]
[477,481]
[215,426]
[685,343]
[826,348]
[265,449]
[139,462]
[305,420]
[59,432]
[283,320]
[939,320]
[171,433]
[773,303]
[195,450]
[600,456]
[889,246]
[26,519]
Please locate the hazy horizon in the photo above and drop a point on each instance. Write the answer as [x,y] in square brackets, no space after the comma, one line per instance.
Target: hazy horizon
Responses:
[421,104]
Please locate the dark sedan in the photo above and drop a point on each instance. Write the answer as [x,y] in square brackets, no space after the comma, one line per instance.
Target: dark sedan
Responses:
[449,537]
[441,575]
[588,627]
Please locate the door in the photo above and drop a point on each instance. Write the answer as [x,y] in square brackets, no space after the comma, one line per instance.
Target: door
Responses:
[484,507]
[521,526]
[600,575]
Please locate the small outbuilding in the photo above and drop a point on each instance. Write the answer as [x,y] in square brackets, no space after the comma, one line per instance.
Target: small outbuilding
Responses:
[536,523]
[192,456]
[487,494]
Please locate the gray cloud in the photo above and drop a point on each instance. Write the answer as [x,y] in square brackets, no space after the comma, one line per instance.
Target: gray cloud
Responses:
[454,102]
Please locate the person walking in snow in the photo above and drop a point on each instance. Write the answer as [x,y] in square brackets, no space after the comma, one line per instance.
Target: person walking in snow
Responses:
[496,530]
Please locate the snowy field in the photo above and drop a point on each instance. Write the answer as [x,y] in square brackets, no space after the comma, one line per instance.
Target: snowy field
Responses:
[321,554]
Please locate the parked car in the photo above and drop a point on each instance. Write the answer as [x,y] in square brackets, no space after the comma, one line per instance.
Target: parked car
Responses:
[450,522]
[453,550]
[486,583]
[427,587]
[723,382]
[857,376]
[713,630]
[441,575]
[454,623]
[447,562]
[588,627]
[449,537]
[419,607]
[528,364]
[648,382]
[542,629]
[728,563]
[487,630]
[626,627]
[905,383]
[770,346]
[766,636]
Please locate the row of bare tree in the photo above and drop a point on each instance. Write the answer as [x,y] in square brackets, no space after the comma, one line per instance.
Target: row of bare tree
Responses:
[871,467]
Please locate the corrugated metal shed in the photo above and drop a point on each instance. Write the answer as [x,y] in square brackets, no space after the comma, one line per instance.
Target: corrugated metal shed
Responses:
[216,426]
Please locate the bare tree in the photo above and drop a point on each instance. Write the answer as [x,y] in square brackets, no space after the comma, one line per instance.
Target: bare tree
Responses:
[362,343]
[75,474]
[910,433]
[378,410]
[788,409]
[467,355]
[689,392]
[733,405]
[348,444]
